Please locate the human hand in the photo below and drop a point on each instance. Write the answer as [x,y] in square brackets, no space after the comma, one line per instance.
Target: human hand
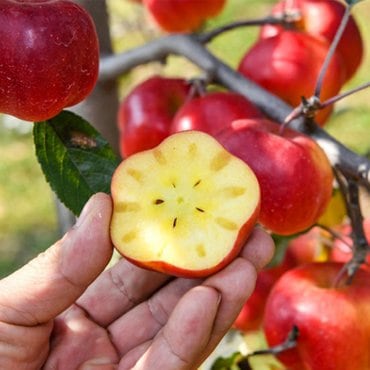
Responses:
[61,311]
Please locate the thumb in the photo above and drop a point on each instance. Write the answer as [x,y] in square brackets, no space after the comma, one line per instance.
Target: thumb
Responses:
[50,283]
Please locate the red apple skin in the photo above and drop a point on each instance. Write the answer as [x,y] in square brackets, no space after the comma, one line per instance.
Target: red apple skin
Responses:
[182,15]
[342,251]
[146,114]
[49,57]
[289,64]
[169,269]
[212,112]
[293,171]
[321,19]
[251,316]
[331,319]
[310,246]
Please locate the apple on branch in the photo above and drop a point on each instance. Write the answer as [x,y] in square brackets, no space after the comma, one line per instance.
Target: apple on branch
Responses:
[288,65]
[145,115]
[294,173]
[329,312]
[185,207]
[213,112]
[321,19]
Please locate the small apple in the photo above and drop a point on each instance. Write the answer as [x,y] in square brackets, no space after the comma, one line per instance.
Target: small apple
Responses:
[49,57]
[321,19]
[294,173]
[146,113]
[289,64]
[212,112]
[182,15]
[185,207]
[311,246]
[330,314]
[251,315]
[342,247]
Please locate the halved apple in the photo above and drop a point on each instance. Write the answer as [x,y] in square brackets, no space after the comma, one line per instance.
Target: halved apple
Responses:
[185,207]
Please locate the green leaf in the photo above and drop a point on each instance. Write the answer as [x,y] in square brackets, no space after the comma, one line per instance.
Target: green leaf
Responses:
[233,362]
[76,160]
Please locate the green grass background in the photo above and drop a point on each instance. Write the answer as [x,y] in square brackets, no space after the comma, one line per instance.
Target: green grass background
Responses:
[28,222]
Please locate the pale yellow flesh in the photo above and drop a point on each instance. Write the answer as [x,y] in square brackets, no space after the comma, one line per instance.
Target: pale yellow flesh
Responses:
[183,202]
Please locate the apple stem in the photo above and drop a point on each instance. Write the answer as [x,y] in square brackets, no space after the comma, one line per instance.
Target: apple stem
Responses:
[333,47]
[350,190]
[286,20]
[289,343]
[334,234]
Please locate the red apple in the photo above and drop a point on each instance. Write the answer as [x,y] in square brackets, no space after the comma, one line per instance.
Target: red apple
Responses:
[185,207]
[342,248]
[251,316]
[293,171]
[213,112]
[146,113]
[311,246]
[305,248]
[330,314]
[182,15]
[288,65]
[49,57]
[321,19]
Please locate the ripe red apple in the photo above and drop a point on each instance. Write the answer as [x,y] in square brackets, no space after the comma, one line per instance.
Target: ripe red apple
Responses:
[321,19]
[288,65]
[146,113]
[331,317]
[251,315]
[311,246]
[213,112]
[342,248]
[182,15]
[305,248]
[185,207]
[49,57]
[293,171]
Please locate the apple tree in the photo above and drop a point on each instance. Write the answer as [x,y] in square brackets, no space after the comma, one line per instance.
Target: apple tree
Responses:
[258,133]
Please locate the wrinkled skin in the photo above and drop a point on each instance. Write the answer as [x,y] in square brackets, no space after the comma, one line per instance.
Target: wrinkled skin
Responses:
[61,311]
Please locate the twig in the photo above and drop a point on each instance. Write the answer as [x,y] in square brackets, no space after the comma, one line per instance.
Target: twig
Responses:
[283,19]
[332,48]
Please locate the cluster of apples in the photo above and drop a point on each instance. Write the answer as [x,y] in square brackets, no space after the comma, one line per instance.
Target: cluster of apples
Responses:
[305,290]
[294,183]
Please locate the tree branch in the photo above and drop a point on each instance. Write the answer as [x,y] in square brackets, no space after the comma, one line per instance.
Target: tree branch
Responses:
[190,47]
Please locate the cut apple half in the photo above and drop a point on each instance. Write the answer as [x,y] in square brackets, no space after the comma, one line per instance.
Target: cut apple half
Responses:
[185,207]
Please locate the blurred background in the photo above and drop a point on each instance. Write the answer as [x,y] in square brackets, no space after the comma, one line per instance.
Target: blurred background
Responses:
[28,220]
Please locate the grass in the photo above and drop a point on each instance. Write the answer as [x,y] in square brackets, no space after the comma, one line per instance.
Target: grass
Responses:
[28,222]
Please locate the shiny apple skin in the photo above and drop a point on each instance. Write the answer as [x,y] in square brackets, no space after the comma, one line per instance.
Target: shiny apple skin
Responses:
[49,57]
[293,171]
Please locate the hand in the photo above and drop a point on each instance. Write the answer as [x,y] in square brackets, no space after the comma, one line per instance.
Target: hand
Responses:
[61,311]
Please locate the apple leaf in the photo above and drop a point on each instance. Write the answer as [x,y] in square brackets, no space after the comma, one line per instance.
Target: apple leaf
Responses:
[75,159]
[235,362]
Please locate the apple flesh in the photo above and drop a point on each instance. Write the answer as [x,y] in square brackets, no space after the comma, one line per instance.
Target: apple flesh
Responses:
[330,314]
[289,64]
[146,113]
[182,15]
[185,207]
[212,112]
[49,57]
[294,173]
[321,19]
